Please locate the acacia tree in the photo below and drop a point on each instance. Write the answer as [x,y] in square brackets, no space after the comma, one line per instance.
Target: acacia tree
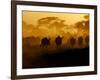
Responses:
[51,22]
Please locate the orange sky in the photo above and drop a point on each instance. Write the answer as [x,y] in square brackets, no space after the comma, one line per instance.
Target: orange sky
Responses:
[30,17]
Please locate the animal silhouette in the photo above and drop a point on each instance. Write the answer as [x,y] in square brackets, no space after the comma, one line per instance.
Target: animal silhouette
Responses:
[80,40]
[87,39]
[45,42]
[58,41]
[72,41]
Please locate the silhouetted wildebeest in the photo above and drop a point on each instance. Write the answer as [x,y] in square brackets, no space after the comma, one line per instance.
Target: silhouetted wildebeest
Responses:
[58,41]
[87,39]
[45,42]
[72,41]
[80,40]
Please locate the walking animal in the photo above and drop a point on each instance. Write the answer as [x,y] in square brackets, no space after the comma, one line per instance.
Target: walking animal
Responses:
[58,41]
[45,42]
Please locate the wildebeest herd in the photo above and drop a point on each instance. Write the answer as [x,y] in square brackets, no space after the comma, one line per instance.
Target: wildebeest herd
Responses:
[45,42]
[55,52]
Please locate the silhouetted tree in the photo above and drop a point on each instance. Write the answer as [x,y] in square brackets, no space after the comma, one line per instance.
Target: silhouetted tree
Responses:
[51,22]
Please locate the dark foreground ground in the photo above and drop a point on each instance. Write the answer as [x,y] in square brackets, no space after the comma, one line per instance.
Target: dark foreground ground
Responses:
[61,58]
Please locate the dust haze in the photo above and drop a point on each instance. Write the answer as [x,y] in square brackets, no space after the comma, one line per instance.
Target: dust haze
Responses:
[45,33]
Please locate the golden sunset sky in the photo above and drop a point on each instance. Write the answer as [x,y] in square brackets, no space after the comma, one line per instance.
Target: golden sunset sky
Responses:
[30,18]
